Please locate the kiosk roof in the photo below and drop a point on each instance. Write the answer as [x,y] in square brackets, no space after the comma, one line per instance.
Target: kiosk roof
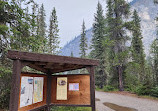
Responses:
[51,63]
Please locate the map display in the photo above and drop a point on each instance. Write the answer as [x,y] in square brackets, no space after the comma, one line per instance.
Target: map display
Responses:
[61,88]
[26,91]
[31,90]
[73,86]
[38,89]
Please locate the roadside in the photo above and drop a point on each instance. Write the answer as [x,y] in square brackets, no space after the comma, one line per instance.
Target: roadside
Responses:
[105,101]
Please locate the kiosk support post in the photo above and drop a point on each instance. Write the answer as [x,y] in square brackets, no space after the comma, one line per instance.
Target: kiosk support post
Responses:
[49,82]
[92,87]
[15,86]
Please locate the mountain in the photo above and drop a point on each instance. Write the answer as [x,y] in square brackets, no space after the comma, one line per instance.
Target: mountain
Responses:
[147,11]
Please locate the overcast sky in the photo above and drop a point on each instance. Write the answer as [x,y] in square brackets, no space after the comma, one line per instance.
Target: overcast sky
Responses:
[70,15]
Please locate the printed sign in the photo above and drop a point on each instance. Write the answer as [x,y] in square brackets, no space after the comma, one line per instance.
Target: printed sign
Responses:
[61,88]
[26,91]
[31,90]
[73,86]
[38,89]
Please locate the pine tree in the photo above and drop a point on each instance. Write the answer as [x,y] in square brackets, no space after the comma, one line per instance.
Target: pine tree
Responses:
[72,55]
[138,55]
[83,42]
[42,29]
[117,11]
[53,36]
[97,45]
[154,51]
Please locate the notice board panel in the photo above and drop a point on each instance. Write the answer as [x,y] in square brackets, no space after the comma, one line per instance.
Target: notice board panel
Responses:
[81,93]
[35,83]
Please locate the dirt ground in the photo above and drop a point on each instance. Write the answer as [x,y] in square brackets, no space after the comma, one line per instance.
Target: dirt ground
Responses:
[113,101]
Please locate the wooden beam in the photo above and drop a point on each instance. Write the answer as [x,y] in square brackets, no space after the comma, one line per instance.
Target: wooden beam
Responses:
[92,86]
[39,108]
[39,68]
[40,63]
[49,90]
[48,65]
[50,58]
[66,69]
[15,86]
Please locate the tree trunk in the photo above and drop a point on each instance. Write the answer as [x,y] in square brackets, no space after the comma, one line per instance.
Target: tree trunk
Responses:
[121,88]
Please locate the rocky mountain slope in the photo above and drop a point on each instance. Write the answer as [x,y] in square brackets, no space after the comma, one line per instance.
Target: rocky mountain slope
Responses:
[147,11]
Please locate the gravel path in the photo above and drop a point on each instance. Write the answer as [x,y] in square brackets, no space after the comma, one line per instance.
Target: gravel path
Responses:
[122,100]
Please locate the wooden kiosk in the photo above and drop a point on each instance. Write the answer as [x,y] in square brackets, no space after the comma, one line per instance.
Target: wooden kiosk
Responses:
[56,90]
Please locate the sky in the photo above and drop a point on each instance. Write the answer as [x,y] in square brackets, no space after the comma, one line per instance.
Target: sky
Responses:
[71,14]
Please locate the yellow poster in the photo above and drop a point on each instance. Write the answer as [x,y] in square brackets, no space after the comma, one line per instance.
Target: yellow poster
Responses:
[38,89]
[61,88]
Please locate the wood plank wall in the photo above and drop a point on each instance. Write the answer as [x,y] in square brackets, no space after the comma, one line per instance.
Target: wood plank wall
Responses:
[81,97]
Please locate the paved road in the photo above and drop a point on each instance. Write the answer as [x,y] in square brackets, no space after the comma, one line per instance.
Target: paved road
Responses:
[122,100]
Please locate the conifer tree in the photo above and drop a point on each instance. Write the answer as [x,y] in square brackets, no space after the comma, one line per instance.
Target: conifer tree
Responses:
[97,45]
[72,55]
[154,51]
[117,11]
[138,55]
[83,41]
[53,37]
[42,29]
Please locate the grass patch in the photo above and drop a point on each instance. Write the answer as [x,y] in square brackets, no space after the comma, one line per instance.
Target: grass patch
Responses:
[66,108]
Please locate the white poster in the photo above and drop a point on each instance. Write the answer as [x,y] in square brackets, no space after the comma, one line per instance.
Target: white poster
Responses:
[38,89]
[26,91]
[61,88]
[73,86]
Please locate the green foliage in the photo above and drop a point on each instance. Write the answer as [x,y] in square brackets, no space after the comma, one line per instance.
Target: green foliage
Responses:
[137,50]
[62,108]
[41,29]
[143,90]
[20,29]
[53,37]
[109,88]
[154,92]
[117,12]
[83,41]
[154,58]
[131,76]
[98,50]
[5,78]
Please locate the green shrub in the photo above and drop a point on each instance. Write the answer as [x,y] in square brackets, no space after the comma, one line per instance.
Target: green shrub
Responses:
[5,78]
[143,90]
[154,92]
[109,88]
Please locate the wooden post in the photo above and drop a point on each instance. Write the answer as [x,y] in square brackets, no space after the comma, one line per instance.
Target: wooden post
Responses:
[92,87]
[49,87]
[15,86]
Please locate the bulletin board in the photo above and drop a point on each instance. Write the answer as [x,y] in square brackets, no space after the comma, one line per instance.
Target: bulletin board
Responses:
[32,91]
[78,89]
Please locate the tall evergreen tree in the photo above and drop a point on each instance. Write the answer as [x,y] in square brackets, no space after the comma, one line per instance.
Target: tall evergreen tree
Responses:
[97,45]
[154,51]
[117,11]
[72,55]
[41,30]
[53,37]
[138,55]
[83,41]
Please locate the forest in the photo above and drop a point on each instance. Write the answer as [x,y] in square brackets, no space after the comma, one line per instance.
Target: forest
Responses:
[121,67]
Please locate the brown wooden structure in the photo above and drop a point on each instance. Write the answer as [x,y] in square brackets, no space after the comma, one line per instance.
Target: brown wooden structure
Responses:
[50,64]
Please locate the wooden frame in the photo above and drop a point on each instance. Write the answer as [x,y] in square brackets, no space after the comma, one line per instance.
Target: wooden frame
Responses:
[48,64]
[80,97]
[42,103]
